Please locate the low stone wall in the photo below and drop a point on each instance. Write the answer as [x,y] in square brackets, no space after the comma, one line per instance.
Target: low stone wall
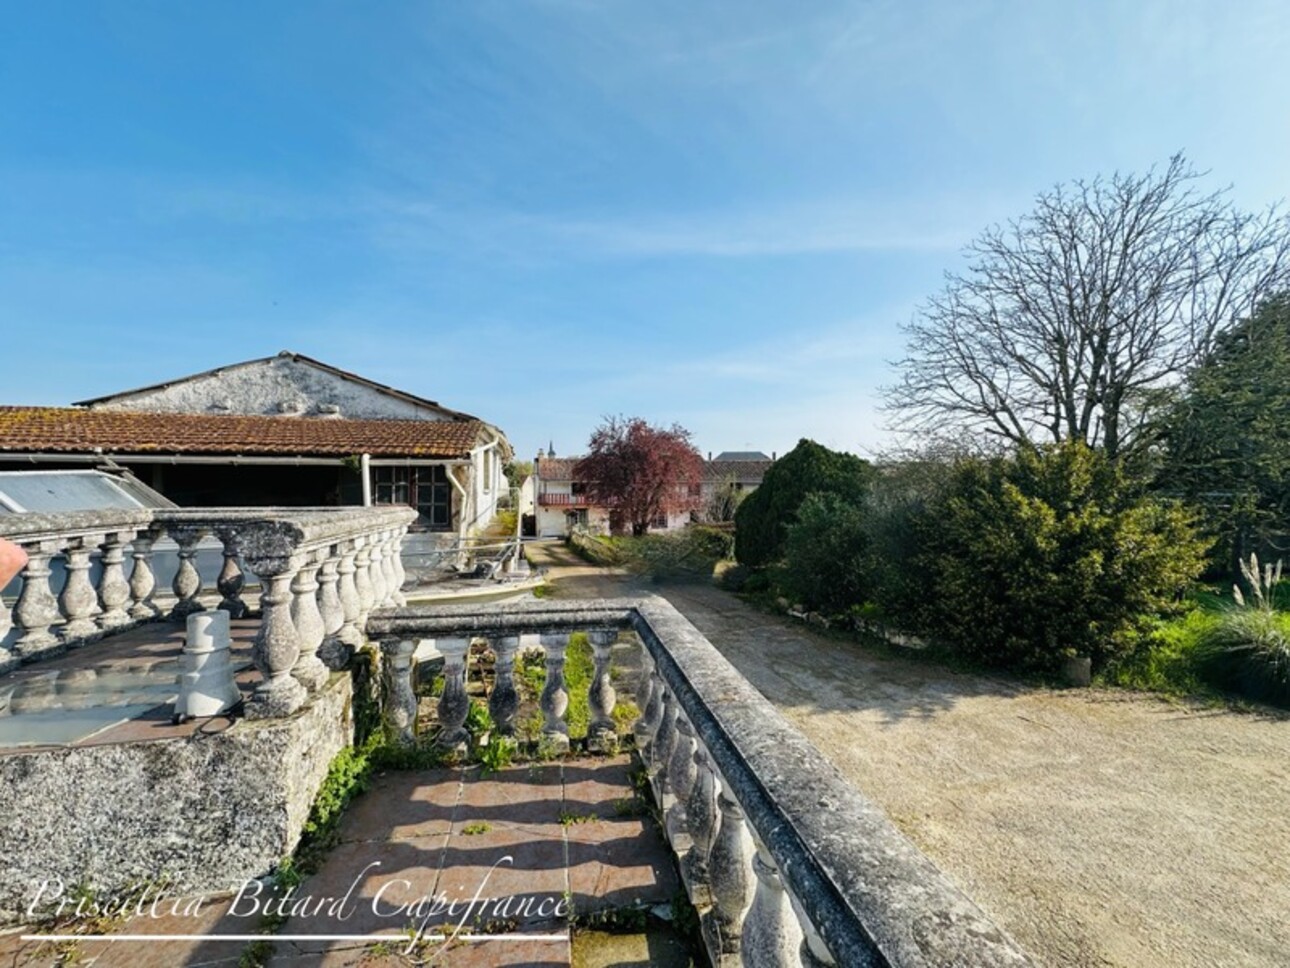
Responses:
[208,811]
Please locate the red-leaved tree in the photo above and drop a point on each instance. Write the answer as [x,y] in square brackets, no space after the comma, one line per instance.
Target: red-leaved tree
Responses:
[641,472]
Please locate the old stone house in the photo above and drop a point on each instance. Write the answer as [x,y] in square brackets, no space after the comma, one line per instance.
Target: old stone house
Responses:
[284,431]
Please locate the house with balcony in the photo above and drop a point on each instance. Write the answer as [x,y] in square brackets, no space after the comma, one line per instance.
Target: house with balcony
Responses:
[561,502]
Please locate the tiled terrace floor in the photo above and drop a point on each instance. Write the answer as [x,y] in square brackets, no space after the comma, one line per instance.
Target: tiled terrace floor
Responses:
[119,689]
[540,837]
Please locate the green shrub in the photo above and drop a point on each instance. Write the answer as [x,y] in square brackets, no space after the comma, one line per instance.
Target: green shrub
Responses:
[1248,650]
[761,523]
[1166,657]
[826,563]
[1050,553]
[694,550]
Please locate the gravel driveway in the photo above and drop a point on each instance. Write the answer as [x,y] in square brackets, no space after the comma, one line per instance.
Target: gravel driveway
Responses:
[1099,827]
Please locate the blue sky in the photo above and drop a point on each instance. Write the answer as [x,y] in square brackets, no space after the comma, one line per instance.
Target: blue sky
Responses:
[710,213]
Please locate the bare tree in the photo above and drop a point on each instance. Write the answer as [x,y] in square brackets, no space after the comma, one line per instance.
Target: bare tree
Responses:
[1077,320]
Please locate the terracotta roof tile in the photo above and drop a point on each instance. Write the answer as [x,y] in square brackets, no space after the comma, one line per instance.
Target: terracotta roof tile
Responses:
[64,429]
[557,468]
[743,471]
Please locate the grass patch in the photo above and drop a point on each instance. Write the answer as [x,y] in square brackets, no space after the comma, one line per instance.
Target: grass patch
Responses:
[474,829]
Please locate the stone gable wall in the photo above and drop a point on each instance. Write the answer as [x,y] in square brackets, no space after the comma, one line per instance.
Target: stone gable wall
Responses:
[267,386]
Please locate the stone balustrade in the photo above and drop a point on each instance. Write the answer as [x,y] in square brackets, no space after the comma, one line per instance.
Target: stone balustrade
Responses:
[787,862]
[320,571]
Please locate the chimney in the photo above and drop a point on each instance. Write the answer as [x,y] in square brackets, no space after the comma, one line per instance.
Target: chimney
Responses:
[709,457]
[772,456]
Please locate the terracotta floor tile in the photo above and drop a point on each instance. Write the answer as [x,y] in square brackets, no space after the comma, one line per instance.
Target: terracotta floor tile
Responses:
[619,863]
[392,883]
[520,872]
[516,795]
[399,806]
[598,787]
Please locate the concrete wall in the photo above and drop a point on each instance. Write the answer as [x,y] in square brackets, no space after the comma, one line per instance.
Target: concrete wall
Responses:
[208,810]
[263,387]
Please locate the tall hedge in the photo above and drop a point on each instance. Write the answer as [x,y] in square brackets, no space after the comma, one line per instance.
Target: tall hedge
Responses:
[1047,553]
[809,468]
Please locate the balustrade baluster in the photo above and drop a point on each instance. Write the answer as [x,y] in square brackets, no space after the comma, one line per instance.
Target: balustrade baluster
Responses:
[9,658]
[143,583]
[277,646]
[350,635]
[114,590]
[376,570]
[646,728]
[333,652]
[771,936]
[187,584]
[454,704]
[392,595]
[664,742]
[555,700]
[730,877]
[813,952]
[681,774]
[400,573]
[644,687]
[504,701]
[399,705]
[231,581]
[79,600]
[602,734]
[363,581]
[701,818]
[310,630]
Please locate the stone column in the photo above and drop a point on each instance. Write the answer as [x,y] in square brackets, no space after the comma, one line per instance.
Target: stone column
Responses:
[37,608]
[308,620]
[771,936]
[114,590]
[504,701]
[602,734]
[363,581]
[277,646]
[187,584]
[555,699]
[729,875]
[701,817]
[350,634]
[454,704]
[79,599]
[399,705]
[142,581]
[681,774]
[333,652]
[231,581]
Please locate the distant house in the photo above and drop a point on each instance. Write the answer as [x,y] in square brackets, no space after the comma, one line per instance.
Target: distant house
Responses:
[739,470]
[286,430]
[561,501]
